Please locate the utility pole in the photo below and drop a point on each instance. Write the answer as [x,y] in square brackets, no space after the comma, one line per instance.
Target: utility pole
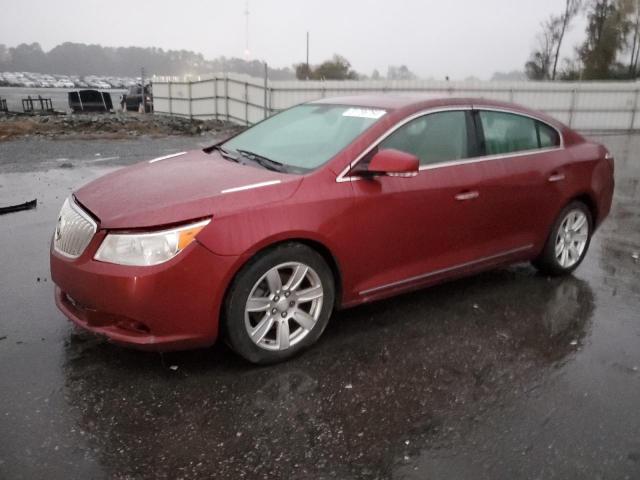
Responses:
[246,31]
[144,97]
[308,56]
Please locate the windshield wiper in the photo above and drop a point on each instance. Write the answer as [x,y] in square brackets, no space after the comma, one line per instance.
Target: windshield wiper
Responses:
[263,161]
[226,154]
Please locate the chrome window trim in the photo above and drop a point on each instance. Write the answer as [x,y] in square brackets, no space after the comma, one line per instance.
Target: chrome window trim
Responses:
[80,211]
[487,158]
[445,270]
[342,177]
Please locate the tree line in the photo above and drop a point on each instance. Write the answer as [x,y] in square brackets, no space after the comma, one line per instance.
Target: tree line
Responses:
[609,50]
[339,68]
[81,59]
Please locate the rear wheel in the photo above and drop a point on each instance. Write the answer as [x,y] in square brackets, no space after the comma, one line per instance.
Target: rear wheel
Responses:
[279,304]
[568,241]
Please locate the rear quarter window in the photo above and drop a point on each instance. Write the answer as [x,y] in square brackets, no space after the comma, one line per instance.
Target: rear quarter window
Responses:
[506,132]
[549,136]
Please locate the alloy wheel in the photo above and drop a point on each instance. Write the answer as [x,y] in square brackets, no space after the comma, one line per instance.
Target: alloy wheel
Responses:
[283,306]
[571,238]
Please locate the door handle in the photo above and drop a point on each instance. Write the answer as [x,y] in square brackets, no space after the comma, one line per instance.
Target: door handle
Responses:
[556,177]
[467,195]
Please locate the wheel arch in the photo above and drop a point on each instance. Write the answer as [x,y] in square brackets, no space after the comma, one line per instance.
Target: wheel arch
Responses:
[584,197]
[328,257]
[318,246]
[591,204]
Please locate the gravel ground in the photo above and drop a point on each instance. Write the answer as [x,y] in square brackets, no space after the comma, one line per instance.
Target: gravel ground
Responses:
[107,125]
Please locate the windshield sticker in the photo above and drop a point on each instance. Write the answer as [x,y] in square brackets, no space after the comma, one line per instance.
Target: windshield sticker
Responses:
[364,113]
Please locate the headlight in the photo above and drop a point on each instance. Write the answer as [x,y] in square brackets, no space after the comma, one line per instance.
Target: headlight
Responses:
[146,249]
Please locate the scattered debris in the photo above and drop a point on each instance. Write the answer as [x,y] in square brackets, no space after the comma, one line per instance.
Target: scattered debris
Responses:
[90,101]
[19,207]
[503,335]
[38,105]
[631,370]
[109,125]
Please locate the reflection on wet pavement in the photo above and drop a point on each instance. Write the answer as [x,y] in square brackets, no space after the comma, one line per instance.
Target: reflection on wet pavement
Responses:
[504,375]
[418,370]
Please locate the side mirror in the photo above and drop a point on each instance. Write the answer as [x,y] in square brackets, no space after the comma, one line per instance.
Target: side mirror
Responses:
[394,163]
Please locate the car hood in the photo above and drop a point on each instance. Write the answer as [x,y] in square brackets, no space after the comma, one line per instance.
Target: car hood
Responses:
[179,188]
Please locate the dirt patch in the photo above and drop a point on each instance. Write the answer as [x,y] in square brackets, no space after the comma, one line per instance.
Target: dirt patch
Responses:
[109,125]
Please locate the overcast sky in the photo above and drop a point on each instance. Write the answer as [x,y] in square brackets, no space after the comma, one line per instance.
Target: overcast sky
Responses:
[434,38]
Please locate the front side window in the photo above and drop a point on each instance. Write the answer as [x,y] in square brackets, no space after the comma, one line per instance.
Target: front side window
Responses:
[508,132]
[305,137]
[433,138]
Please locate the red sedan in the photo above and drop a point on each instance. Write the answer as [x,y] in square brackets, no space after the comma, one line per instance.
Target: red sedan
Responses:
[326,205]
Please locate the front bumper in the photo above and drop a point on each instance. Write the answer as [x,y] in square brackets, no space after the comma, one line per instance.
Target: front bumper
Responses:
[172,306]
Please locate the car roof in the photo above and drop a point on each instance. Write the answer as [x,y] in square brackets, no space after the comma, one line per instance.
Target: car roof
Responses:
[417,102]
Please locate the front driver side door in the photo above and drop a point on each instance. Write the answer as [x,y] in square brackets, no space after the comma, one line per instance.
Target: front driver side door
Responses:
[416,230]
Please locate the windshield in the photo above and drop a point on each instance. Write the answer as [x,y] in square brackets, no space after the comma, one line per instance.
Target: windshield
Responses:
[304,137]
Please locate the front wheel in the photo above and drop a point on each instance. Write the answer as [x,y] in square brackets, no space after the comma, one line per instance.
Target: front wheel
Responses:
[279,304]
[568,241]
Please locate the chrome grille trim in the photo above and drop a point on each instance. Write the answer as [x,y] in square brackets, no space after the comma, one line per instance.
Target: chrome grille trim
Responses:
[74,230]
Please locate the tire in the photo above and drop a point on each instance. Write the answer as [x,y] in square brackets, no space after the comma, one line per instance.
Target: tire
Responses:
[567,244]
[292,295]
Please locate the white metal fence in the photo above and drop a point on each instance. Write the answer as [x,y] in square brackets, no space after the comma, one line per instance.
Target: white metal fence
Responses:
[586,106]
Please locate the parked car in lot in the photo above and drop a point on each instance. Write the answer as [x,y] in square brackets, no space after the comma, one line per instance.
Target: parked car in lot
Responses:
[133,98]
[326,205]
[98,84]
[64,84]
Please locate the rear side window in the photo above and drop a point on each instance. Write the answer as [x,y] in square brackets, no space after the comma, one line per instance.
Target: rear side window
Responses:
[433,138]
[509,132]
[548,136]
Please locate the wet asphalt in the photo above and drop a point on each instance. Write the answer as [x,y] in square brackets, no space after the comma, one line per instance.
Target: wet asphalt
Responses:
[507,374]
